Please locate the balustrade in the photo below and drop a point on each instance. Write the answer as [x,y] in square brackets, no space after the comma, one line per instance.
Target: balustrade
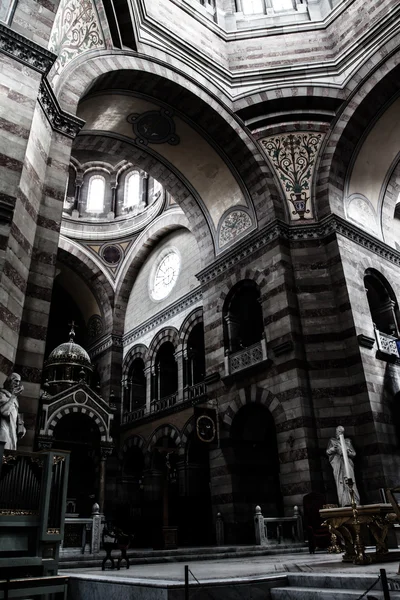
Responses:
[386,343]
[247,357]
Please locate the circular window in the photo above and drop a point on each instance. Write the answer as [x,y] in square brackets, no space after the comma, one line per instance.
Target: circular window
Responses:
[165,275]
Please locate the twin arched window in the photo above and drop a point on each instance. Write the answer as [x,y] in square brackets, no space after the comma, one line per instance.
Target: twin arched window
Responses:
[96,192]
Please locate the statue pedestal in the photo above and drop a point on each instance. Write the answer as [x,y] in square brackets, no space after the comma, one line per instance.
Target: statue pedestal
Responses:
[350,529]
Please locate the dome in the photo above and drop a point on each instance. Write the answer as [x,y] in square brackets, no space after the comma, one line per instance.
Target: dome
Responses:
[69,352]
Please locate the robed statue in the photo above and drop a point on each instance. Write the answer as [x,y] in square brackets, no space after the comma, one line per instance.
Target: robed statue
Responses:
[335,454]
[11,421]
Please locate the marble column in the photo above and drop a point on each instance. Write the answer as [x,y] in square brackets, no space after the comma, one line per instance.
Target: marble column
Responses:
[179,361]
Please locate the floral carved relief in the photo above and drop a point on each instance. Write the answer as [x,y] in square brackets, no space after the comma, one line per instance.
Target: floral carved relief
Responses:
[76,30]
[233,225]
[293,156]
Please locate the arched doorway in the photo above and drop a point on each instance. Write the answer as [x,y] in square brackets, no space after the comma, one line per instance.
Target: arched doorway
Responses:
[129,515]
[161,494]
[254,469]
[195,523]
[79,434]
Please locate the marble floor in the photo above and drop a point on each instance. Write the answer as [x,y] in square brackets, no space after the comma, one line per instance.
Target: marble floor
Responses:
[243,569]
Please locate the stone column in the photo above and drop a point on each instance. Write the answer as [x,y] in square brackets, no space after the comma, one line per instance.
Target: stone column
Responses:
[78,187]
[148,371]
[232,326]
[179,361]
[105,452]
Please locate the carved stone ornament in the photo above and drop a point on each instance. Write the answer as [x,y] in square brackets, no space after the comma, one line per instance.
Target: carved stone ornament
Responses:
[76,30]
[154,127]
[25,51]
[233,225]
[59,120]
[293,156]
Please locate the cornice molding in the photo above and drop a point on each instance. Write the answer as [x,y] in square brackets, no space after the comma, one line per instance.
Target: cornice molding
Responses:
[60,121]
[333,224]
[25,51]
[107,341]
[164,315]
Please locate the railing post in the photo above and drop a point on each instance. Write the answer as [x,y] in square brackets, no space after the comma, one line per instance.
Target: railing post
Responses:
[219,530]
[299,524]
[259,527]
[96,529]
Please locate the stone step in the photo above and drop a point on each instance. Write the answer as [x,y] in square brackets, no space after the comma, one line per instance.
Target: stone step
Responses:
[355,581]
[313,593]
[140,557]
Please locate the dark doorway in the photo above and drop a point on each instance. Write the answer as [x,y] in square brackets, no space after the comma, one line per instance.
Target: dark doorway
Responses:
[80,435]
[254,468]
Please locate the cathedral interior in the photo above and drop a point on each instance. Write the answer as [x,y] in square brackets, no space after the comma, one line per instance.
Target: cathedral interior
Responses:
[200,251]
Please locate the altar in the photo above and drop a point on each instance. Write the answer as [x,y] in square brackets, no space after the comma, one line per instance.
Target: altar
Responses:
[348,527]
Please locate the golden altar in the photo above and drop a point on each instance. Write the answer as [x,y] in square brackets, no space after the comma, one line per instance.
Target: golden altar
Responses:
[347,526]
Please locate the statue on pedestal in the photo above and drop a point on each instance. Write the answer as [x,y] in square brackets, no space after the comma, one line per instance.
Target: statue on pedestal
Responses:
[335,454]
[11,422]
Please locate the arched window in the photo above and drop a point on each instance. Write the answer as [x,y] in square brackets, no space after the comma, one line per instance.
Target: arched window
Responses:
[157,189]
[96,191]
[253,7]
[166,371]
[132,190]
[382,303]
[243,320]
[195,361]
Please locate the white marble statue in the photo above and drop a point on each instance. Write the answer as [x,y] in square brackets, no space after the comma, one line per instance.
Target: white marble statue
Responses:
[334,452]
[11,422]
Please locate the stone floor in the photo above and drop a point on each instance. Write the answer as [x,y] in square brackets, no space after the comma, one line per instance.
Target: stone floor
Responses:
[243,569]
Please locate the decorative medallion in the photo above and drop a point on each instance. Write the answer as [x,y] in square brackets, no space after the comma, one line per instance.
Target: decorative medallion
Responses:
[112,254]
[165,275]
[95,326]
[80,397]
[154,127]
[76,30]
[235,223]
[293,156]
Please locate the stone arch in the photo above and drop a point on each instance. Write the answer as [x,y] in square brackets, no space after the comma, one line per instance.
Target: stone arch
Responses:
[137,255]
[187,431]
[73,409]
[172,181]
[135,440]
[368,91]
[248,395]
[389,222]
[236,277]
[137,351]
[167,334]
[165,430]
[71,255]
[194,318]
[195,97]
